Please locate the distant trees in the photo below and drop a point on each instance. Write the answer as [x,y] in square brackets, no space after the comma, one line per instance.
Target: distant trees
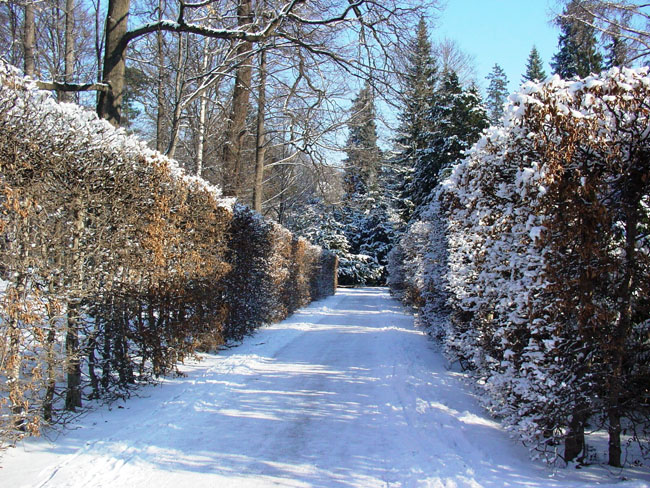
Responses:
[534,67]
[363,155]
[361,225]
[497,94]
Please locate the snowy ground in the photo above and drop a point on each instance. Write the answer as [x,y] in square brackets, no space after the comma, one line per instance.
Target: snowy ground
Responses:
[345,393]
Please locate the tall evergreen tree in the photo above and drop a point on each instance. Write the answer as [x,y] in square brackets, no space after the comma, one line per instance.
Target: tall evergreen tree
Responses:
[456,123]
[419,80]
[534,67]
[578,53]
[360,231]
[497,93]
[364,156]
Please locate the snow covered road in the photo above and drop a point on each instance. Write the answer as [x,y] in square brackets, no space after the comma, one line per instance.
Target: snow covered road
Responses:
[346,393]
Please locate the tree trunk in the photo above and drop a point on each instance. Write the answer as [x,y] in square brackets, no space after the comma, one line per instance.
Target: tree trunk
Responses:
[109,104]
[92,365]
[73,368]
[50,389]
[98,40]
[260,147]
[633,195]
[15,360]
[29,39]
[69,48]
[239,110]
[203,108]
[73,352]
[160,89]
[50,355]
[574,443]
[178,95]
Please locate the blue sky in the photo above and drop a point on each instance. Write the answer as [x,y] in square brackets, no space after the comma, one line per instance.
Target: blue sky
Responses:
[499,31]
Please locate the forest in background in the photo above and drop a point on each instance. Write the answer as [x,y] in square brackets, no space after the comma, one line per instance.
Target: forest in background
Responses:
[255,98]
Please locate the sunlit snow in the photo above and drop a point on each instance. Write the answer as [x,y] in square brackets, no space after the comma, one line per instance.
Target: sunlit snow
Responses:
[346,393]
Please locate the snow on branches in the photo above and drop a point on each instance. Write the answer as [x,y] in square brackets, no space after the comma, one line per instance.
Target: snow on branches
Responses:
[115,264]
[547,262]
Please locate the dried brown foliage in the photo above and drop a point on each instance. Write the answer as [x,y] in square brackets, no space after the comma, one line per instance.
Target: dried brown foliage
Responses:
[115,266]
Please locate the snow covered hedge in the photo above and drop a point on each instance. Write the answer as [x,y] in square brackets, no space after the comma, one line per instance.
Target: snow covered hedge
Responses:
[539,242]
[115,264]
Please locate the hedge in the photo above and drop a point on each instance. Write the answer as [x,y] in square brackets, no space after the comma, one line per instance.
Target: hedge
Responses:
[116,265]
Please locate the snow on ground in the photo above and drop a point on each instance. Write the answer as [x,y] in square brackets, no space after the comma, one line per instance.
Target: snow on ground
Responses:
[346,393]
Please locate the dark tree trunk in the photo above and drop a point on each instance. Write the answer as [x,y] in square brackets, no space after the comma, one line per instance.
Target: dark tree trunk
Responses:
[29,39]
[48,400]
[69,48]
[260,147]
[239,110]
[574,443]
[73,351]
[109,104]
[73,369]
[632,195]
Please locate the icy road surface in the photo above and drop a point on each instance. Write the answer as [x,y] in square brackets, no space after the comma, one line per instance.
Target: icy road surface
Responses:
[346,393]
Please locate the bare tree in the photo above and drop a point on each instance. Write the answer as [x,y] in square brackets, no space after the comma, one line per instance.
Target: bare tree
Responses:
[450,56]
[260,138]
[236,126]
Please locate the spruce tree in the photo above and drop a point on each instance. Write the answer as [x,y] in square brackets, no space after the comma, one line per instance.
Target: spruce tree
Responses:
[534,67]
[497,94]
[419,80]
[456,123]
[578,53]
[363,153]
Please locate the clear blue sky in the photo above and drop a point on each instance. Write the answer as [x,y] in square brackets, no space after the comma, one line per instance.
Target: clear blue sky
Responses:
[500,31]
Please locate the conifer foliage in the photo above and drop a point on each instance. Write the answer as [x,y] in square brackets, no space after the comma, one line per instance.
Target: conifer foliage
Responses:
[364,157]
[497,94]
[419,98]
[455,120]
[545,259]
[578,53]
[534,67]
[440,119]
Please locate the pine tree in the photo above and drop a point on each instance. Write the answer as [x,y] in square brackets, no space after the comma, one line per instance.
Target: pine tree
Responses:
[534,67]
[364,156]
[578,54]
[419,97]
[497,94]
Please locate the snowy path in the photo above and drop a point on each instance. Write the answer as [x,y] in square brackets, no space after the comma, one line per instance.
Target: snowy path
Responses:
[345,393]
